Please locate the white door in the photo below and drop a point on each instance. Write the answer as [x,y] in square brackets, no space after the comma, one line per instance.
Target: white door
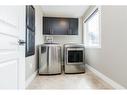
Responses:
[12,55]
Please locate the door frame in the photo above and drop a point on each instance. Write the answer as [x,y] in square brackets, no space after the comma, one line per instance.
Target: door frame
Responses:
[22,34]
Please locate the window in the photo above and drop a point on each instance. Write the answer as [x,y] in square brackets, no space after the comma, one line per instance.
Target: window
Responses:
[92,30]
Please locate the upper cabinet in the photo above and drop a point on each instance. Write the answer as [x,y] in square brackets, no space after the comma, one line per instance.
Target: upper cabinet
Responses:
[60,26]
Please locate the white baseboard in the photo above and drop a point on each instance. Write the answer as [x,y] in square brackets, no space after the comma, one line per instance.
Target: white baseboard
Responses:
[30,79]
[114,84]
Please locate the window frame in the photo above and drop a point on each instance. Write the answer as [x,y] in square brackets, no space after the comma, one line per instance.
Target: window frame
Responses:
[92,13]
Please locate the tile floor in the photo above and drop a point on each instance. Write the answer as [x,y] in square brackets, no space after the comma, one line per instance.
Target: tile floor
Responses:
[87,80]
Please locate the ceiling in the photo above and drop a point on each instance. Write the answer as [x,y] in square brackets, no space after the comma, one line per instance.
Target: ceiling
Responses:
[64,11]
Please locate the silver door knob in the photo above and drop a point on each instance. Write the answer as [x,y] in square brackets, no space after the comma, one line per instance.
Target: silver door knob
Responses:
[21,42]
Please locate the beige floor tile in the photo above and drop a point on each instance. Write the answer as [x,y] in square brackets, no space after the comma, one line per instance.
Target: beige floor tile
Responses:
[87,80]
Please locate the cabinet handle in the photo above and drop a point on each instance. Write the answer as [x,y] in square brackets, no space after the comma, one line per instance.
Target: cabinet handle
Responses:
[52,31]
[70,31]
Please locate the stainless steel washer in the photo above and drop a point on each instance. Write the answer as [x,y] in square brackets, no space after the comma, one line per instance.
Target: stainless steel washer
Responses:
[74,59]
[50,58]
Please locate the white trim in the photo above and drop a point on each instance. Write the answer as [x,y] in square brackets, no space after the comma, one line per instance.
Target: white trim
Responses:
[30,79]
[21,49]
[114,84]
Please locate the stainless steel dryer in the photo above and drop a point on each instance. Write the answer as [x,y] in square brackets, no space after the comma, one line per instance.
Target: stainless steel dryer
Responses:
[74,59]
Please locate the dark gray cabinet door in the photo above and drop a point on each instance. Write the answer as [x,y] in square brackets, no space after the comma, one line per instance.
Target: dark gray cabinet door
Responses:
[55,26]
[73,26]
[60,26]
[48,25]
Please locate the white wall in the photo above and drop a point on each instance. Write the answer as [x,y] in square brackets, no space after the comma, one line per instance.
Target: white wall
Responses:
[32,61]
[111,58]
[70,38]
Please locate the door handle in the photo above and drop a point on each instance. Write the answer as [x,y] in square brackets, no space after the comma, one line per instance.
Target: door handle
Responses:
[21,42]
